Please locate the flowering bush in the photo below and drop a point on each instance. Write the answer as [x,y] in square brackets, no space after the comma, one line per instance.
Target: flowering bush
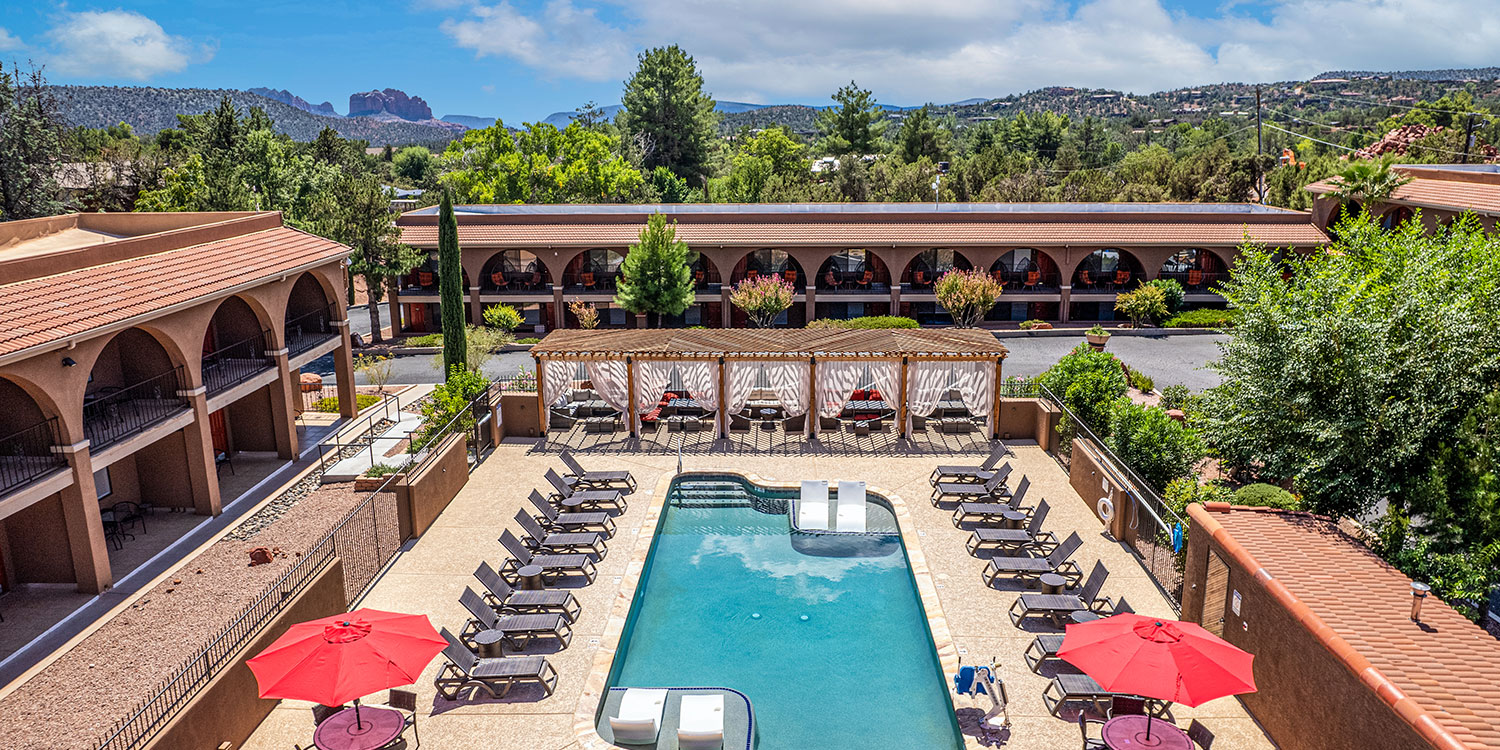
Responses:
[762,298]
[585,312]
[967,295]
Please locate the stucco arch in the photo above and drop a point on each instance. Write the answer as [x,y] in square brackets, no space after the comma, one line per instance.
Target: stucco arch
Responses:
[1101,266]
[517,266]
[237,328]
[1015,263]
[934,262]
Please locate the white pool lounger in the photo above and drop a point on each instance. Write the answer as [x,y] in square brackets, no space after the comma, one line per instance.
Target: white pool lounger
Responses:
[812,508]
[851,506]
[700,725]
[639,721]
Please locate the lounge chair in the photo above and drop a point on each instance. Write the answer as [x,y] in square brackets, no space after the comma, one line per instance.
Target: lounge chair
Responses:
[1045,646]
[812,507]
[506,600]
[992,488]
[639,720]
[552,566]
[599,480]
[1030,568]
[851,506]
[1089,742]
[517,630]
[1057,606]
[590,498]
[1071,688]
[1030,538]
[979,473]
[539,539]
[988,513]
[553,520]
[700,722]
[493,676]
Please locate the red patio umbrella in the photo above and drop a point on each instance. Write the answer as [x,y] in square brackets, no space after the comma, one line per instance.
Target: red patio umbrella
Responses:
[1164,659]
[333,660]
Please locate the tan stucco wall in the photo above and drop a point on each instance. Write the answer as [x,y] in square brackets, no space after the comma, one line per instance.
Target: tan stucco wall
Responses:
[37,537]
[423,495]
[518,414]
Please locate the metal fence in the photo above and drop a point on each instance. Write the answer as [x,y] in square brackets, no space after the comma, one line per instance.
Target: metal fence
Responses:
[231,365]
[112,414]
[27,454]
[365,540]
[1161,534]
[308,330]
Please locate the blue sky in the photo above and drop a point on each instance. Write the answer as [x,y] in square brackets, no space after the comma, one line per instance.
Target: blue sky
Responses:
[524,59]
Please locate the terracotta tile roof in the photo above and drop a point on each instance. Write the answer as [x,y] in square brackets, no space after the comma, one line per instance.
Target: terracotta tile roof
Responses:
[806,342]
[42,310]
[1445,680]
[854,234]
[1449,195]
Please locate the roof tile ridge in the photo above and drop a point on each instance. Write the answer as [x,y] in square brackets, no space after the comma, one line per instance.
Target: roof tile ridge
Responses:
[1422,722]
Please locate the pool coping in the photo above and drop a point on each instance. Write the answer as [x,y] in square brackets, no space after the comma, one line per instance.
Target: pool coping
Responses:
[596,682]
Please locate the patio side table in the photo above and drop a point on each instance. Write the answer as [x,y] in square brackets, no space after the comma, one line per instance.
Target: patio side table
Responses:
[1083,616]
[1052,583]
[530,578]
[488,644]
[1014,519]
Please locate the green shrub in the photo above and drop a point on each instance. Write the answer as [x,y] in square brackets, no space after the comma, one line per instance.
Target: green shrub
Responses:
[504,317]
[1146,303]
[1175,396]
[1083,359]
[431,339]
[446,410]
[868,321]
[1184,491]
[1091,396]
[1156,446]
[381,470]
[330,405]
[1027,325]
[1141,381]
[529,340]
[1203,317]
[1171,292]
[1263,495]
[1463,578]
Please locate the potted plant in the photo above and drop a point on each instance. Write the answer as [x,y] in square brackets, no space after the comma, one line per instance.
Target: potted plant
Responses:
[1097,337]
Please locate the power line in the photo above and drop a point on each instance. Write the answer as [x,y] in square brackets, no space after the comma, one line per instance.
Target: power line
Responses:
[1291,116]
[1373,103]
[1127,153]
[1346,148]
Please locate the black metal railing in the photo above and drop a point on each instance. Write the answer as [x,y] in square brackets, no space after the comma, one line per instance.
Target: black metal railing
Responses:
[27,454]
[1196,282]
[1023,281]
[112,414]
[600,282]
[309,329]
[231,365]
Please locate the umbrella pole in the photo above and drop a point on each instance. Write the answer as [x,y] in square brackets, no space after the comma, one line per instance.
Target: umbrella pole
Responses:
[358,726]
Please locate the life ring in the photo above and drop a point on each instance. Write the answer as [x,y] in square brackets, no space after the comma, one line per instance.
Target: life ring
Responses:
[1106,509]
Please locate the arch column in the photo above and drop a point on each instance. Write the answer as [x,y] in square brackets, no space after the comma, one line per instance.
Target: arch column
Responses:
[559,311]
[198,441]
[343,370]
[811,308]
[80,505]
[476,308]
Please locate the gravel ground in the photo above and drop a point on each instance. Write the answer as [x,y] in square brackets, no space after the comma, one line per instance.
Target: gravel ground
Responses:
[75,700]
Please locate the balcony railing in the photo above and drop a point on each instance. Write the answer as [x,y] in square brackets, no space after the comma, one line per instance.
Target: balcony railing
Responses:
[520,282]
[308,330]
[27,454]
[1195,281]
[231,365]
[113,414]
[1024,281]
[591,282]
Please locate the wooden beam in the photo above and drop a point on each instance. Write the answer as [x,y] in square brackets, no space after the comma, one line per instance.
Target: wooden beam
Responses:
[541,401]
[901,419]
[630,414]
[812,397]
[995,418]
[723,416]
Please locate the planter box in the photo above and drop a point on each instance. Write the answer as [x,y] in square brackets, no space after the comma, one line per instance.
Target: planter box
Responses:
[370,484]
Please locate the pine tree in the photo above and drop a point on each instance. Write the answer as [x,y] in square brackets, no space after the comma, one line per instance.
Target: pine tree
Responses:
[656,277]
[451,288]
[851,127]
[671,121]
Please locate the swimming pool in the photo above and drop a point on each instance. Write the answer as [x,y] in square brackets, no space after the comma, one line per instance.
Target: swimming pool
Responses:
[824,633]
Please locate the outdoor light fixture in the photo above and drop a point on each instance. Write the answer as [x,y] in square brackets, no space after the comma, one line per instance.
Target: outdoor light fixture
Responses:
[1418,593]
[68,362]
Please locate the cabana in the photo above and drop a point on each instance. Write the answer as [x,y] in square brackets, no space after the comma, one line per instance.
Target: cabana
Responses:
[912,371]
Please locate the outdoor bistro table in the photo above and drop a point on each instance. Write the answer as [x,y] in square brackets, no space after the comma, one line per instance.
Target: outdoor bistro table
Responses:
[1083,616]
[1052,583]
[1129,733]
[572,502]
[866,406]
[530,577]
[684,404]
[488,643]
[377,728]
[1013,518]
[768,417]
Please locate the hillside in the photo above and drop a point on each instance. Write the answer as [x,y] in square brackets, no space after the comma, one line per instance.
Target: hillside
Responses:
[148,110]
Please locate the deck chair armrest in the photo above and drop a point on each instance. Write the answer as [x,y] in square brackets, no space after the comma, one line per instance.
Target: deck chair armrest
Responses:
[1102,604]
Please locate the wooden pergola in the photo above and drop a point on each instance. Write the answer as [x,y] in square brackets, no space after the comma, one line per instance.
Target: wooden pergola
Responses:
[723,345]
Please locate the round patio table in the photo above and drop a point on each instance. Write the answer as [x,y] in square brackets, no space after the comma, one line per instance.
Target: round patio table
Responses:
[377,728]
[1013,518]
[488,643]
[1052,583]
[1083,616]
[572,502]
[1129,733]
[530,578]
[768,419]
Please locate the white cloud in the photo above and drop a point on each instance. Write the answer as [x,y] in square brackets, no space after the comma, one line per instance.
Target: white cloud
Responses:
[119,44]
[8,41]
[944,50]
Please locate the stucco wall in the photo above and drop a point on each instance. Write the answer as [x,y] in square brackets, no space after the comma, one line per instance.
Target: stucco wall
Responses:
[229,708]
[425,494]
[250,425]
[1087,476]
[518,414]
[36,537]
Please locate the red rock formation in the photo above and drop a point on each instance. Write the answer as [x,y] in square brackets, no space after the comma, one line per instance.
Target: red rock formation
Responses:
[392,101]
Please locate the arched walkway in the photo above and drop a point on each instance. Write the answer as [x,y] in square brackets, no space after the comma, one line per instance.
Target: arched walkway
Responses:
[769,262]
[309,315]
[855,270]
[593,270]
[514,271]
[1395,217]
[133,384]
[1108,270]
[27,434]
[1194,269]
[928,265]
[1026,270]
[234,345]
[705,273]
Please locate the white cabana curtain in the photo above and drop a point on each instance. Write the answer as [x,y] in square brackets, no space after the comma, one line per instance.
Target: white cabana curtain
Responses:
[836,380]
[886,378]
[702,381]
[975,382]
[741,377]
[650,382]
[557,378]
[926,382]
[610,379]
[790,380]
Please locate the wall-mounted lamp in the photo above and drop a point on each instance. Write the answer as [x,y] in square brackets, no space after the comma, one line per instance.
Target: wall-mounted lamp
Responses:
[68,362]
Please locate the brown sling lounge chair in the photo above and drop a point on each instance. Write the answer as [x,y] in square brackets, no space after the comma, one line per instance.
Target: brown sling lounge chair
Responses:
[493,676]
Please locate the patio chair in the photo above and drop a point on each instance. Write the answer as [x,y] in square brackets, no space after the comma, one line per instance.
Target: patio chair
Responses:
[1122,277]
[1030,538]
[405,701]
[517,630]
[700,722]
[498,279]
[1030,568]
[959,491]
[990,513]
[506,600]
[970,473]
[1043,648]
[639,719]
[1085,278]
[590,498]
[830,281]
[494,676]
[790,277]
[587,280]
[426,279]
[1075,688]
[1194,278]
[599,480]
[999,275]
[697,279]
[538,539]
[1057,606]
[1089,743]
[552,566]
[866,280]
[1033,278]
[918,279]
[128,514]
[1200,735]
[553,520]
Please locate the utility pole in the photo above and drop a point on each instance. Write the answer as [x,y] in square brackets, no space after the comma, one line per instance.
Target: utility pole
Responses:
[1260,189]
[1468,139]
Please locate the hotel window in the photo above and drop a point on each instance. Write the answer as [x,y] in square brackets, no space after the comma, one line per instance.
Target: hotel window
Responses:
[102,487]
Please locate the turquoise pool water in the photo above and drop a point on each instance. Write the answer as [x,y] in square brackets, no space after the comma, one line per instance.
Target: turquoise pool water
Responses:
[825,634]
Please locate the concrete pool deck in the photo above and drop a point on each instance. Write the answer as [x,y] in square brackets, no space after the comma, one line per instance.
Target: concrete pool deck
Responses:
[431,573]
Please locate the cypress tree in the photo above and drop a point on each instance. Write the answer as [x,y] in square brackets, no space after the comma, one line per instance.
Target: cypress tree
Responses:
[451,288]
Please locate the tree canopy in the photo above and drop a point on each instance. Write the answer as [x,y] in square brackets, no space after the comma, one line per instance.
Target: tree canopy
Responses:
[667,113]
[851,127]
[656,276]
